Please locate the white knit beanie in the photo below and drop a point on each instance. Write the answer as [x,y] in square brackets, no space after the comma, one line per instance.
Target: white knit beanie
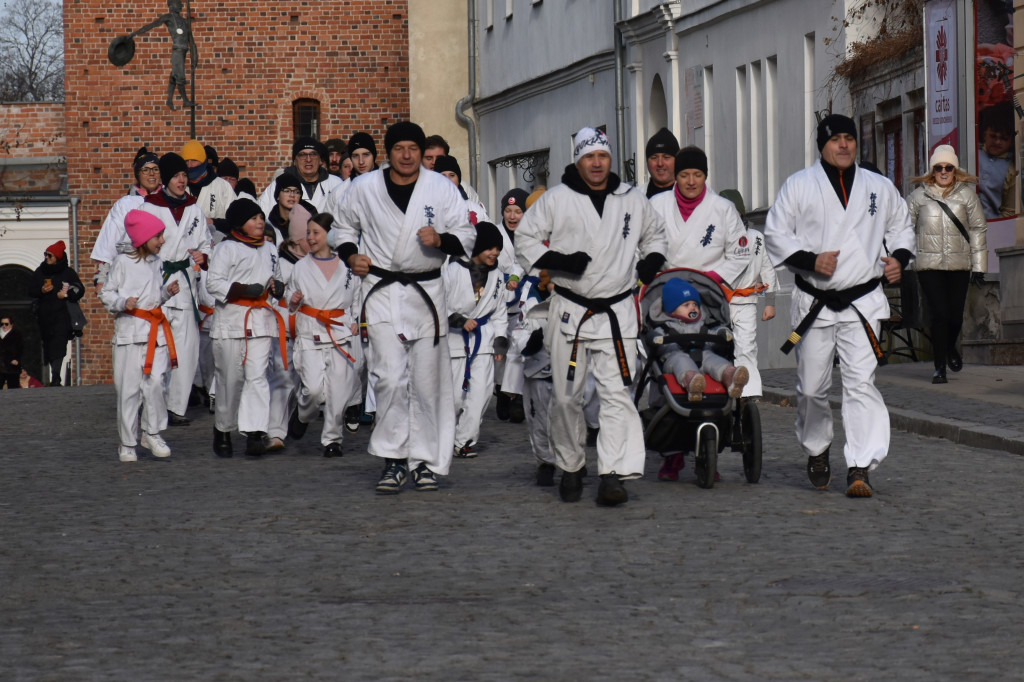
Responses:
[590,140]
[944,154]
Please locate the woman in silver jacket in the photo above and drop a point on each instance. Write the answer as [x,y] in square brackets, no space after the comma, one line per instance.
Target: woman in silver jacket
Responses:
[947,260]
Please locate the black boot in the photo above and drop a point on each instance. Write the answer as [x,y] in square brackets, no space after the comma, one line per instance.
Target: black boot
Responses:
[570,488]
[611,492]
[221,443]
[296,427]
[503,404]
[256,443]
[516,411]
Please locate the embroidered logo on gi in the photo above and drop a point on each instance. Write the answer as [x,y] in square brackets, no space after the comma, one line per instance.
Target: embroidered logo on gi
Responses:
[625,225]
[497,288]
[873,209]
[757,245]
[473,219]
[192,228]
[565,318]
[348,279]
[707,235]
[428,211]
[743,241]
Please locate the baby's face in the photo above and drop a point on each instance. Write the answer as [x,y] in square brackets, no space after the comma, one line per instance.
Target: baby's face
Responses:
[687,311]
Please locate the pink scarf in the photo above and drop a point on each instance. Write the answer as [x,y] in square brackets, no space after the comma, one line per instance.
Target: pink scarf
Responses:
[688,206]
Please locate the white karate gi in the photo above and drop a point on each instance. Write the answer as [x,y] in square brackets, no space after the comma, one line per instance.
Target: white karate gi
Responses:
[743,309]
[318,197]
[707,240]
[328,378]
[808,216]
[471,400]
[215,197]
[142,279]
[243,392]
[409,374]
[113,239]
[568,222]
[283,382]
[190,233]
[538,386]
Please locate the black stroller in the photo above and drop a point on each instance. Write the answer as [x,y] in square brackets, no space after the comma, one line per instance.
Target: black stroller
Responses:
[673,423]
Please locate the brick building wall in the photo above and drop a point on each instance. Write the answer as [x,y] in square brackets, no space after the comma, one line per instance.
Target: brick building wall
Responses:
[255,60]
[31,131]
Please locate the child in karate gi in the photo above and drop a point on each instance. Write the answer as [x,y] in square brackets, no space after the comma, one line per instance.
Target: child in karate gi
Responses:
[321,291]
[476,292]
[244,271]
[143,346]
[527,339]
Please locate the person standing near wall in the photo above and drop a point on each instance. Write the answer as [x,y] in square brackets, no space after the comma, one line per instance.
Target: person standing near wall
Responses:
[53,284]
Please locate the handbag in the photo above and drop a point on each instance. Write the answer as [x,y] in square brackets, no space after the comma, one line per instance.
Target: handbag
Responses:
[78,319]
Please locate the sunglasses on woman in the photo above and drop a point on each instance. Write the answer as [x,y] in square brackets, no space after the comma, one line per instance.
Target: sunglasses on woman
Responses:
[944,169]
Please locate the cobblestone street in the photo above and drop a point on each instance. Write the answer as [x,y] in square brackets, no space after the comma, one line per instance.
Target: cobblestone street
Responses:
[290,567]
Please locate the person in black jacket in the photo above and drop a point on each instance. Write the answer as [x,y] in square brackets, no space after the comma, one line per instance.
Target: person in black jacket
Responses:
[10,353]
[53,284]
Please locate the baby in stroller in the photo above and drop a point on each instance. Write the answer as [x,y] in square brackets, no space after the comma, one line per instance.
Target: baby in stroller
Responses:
[681,306]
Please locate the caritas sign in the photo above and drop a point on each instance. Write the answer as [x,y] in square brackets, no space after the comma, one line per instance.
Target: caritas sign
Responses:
[940,56]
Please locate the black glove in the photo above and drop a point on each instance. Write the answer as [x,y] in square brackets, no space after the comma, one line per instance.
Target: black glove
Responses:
[977,278]
[277,288]
[535,343]
[572,263]
[648,268]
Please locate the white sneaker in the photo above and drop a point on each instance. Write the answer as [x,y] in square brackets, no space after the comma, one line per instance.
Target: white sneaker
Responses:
[126,454]
[155,444]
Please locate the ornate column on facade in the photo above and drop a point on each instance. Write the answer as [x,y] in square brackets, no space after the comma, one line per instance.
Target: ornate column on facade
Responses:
[672,97]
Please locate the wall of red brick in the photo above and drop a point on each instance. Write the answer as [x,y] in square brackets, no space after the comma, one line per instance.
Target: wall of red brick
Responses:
[32,130]
[255,59]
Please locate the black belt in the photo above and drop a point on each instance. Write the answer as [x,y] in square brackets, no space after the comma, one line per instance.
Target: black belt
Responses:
[835,299]
[597,306]
[411,279]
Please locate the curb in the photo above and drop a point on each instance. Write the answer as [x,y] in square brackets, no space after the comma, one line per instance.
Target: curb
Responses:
[970,434]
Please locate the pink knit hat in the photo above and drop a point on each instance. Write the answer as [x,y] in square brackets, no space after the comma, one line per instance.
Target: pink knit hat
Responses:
[142,226]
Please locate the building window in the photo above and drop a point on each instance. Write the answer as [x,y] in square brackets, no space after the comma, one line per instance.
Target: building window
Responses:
[306,118]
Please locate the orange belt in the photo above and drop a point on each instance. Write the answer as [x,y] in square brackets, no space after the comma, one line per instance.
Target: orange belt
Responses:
[745,291]
[291,318]
[206,311]
[156,319]
[328,318]
[261,302]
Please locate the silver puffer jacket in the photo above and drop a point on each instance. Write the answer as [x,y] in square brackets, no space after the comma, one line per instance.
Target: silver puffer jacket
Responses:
[940,245]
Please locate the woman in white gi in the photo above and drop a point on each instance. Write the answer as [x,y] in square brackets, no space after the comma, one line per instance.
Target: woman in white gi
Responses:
[952,250]
[133,292]
[590,232]
[320,293]
[188,241]
[476,295]
[509,373]
[243,270]
[835,228]
[702,228]
[395,228]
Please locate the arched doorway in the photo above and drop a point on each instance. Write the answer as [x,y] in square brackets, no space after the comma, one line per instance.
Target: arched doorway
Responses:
[15,301]
[657,109]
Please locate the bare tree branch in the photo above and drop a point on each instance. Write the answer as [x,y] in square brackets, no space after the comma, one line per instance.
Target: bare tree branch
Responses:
[32,51]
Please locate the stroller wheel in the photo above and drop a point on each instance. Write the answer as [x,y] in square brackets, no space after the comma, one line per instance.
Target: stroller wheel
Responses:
[705,463]
[750,426]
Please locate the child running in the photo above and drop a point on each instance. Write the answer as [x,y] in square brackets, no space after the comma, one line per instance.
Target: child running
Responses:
[143,346]
[321,290]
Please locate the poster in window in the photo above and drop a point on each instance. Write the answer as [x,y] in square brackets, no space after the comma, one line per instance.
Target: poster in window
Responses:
[994,108]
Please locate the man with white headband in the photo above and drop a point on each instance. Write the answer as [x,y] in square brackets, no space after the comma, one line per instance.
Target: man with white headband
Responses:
[592,324]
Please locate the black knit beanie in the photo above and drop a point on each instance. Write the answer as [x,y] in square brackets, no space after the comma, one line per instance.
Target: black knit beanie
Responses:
[227,168]
[170,165]
[304,143]
[448,163]
[403,131]
[487,236]
[240,211]
[833,125]
[284,181]
[662,142]
[691,157]
[362,141]
[514,197]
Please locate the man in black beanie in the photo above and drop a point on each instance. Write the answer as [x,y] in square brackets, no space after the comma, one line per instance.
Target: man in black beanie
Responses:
[396,227]
[228,170]
[363,152]
[188,242]
[336,149]
[309,156]
[843,234]
[661,158]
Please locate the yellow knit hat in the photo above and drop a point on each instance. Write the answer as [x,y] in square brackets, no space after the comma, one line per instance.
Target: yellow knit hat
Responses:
[193,151]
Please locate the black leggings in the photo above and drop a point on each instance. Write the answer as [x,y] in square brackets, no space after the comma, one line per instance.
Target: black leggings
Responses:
[946,293]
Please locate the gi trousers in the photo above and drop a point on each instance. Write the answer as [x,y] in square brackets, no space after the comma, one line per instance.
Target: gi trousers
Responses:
[282,383]
[186,343]
[411,382]
[330,379]
[620,442]
[537,401]
[744,331]
[470,404]
[243,392]
[136,389]
[865,417]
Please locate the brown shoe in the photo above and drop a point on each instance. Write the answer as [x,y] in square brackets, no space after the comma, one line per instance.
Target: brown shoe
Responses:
[857,484]
[695,391]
